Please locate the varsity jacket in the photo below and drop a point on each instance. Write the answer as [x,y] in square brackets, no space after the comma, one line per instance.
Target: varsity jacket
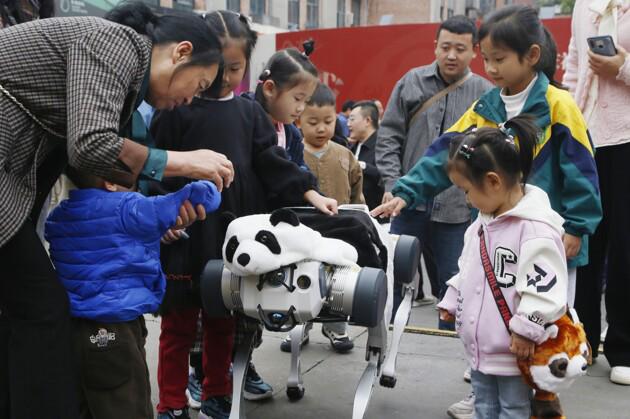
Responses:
[525,248]
[564,164]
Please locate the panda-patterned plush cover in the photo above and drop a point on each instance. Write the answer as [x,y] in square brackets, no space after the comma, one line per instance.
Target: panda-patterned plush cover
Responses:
[262,243]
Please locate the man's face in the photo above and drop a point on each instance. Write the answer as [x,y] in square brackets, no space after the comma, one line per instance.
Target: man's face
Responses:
[358,125]
[453,53]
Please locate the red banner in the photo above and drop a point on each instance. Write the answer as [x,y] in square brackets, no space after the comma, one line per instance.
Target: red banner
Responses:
[366,62]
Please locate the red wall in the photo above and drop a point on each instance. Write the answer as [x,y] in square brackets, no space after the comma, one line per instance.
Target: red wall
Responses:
[366,62]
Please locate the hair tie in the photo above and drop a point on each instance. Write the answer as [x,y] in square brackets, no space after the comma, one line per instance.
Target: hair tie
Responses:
[264,75]
[509,138]
[466,151]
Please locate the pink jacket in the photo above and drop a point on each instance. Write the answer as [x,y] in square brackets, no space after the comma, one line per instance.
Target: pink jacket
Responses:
[609,124]
[525,246]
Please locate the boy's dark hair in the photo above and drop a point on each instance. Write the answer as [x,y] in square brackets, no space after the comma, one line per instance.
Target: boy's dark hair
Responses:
[172,27]
[231,25]
[368,109]
[347,105]
[322,96]
[495,150]
[84,180]
[460,25]
[287,68]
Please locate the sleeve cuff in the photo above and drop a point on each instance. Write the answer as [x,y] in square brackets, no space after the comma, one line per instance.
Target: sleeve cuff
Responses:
[449,301]
[568,229]
[528,329]
[155,164]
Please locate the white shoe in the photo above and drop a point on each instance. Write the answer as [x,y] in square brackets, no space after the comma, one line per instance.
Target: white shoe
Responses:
[464,409]
[620,375]
[467,374]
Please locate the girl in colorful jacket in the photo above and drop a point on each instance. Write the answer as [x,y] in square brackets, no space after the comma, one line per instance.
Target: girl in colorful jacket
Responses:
[512,250]
[513,44]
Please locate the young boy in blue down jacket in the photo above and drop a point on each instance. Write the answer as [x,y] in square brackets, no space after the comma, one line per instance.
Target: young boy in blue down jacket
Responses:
[105,245]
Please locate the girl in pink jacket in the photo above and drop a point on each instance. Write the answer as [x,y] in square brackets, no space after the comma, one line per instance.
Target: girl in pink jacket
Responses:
[512,277]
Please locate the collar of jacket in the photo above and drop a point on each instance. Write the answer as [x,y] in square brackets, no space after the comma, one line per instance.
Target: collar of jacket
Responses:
[491,107]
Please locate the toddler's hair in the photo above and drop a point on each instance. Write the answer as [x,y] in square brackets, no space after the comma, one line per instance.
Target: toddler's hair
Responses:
[322,96]
[233,26]
[287,68]
[507,150]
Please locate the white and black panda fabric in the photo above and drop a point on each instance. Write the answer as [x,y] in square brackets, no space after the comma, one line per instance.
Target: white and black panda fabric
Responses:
[262,243]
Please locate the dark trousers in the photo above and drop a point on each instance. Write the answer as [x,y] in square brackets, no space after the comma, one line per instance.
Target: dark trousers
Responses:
[114,377]
[611,238]
[37,374]
[441,245]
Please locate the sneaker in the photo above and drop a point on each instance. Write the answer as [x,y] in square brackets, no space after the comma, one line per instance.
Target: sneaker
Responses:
[217,407]
[285,345]
[193,392]
[467,374]
[620,375]
[464,409]
[425,301]
[255,387]
[174,414]
[340,343]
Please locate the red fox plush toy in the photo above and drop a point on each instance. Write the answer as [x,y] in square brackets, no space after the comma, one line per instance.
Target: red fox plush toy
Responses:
[557,362]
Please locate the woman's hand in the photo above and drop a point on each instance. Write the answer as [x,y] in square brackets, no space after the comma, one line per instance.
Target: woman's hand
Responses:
[522,347]
[326,205]
[607,67]
[387,196]
[201,164]
[572,245]
[389,209]
[188,215]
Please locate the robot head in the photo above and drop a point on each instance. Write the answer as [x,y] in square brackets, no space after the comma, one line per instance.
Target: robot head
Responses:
[261,243]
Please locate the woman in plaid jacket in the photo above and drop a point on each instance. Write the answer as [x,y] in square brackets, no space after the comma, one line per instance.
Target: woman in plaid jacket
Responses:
[68,87]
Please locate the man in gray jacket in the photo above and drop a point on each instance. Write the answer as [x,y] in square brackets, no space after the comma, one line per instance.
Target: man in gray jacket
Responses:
[414,118]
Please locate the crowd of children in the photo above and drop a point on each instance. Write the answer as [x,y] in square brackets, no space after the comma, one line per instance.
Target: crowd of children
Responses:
[521,154]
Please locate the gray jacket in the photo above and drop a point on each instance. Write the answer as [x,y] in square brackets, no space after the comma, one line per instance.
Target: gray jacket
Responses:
[398,149]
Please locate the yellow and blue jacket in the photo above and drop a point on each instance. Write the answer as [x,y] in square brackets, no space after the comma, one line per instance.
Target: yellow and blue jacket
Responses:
[564,164]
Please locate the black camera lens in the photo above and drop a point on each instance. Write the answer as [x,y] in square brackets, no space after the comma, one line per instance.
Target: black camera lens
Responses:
[304,282]
[275,278]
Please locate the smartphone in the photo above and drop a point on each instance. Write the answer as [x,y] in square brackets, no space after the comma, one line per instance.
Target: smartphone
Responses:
[602,45]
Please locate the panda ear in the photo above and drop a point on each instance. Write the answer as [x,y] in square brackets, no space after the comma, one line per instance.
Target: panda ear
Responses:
[224,221]
[284,215]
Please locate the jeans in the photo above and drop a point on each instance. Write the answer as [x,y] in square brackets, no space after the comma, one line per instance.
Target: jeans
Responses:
[501,397]
[441,245]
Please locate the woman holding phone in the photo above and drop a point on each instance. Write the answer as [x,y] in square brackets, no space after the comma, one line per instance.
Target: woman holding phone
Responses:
[598,75]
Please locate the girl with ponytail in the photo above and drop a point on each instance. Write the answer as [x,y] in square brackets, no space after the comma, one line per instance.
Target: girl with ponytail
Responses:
[514,251]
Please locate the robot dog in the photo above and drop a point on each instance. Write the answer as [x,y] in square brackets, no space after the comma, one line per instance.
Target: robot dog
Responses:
[278,270]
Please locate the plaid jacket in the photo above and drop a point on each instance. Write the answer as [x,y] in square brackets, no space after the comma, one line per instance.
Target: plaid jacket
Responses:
[80,77]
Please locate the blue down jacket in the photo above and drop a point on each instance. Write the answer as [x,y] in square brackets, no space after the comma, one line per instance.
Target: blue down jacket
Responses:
[106,248]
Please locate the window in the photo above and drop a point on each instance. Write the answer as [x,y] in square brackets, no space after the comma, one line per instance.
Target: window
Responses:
[356,12]
[234,5]
[294,14]
[341,13]
[312,14]
[257,7]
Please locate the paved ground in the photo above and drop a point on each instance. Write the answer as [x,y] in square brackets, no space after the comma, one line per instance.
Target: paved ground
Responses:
[429,379]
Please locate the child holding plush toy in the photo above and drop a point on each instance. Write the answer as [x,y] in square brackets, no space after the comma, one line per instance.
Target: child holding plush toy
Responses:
[512,278]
